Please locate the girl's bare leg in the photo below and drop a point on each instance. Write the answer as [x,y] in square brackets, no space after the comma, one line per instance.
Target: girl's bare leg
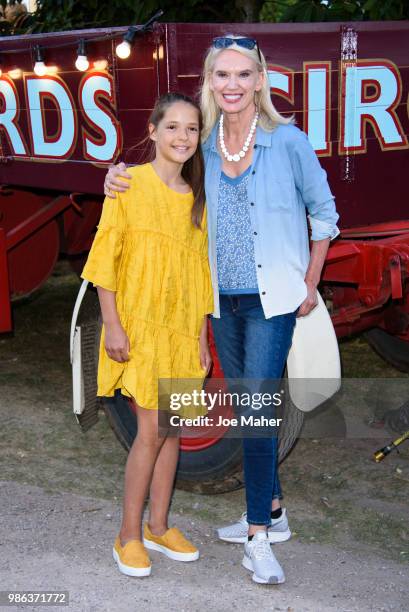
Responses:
[138,473]
[162,485]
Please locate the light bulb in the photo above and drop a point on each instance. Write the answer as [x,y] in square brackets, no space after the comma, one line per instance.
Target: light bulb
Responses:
[123,50]
[15,73]
[82,63]
[40,69]
[1,72]
[101,64]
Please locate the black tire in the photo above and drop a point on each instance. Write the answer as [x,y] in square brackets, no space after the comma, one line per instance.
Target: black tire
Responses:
[392,349]
[216,469]
[293,420]
[212,470]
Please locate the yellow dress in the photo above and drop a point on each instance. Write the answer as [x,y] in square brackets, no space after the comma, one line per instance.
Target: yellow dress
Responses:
[148,251]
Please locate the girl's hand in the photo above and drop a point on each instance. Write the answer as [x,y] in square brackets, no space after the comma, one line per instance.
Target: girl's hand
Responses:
[204,351]
[116,342]
[205,356]
[310,301]
[112,181]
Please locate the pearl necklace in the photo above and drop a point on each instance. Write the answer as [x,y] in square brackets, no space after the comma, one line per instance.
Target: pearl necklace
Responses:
[237,156]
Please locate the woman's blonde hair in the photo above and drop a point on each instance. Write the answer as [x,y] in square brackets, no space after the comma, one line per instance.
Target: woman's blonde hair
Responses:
[269,116]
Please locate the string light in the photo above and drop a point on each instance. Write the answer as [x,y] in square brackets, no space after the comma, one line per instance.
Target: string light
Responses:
[123,50]
[101,64]
[15,73]
[39,67]
[82,62]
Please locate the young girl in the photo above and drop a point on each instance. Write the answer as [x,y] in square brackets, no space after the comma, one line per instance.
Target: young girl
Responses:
[149,264]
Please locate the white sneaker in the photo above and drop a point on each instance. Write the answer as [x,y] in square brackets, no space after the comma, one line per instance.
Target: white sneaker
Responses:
[237,533]
[259,559]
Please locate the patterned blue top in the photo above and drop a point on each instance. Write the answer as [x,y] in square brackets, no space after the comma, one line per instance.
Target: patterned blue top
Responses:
[235,247]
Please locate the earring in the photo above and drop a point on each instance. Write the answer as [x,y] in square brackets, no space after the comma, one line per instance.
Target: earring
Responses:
[257,101]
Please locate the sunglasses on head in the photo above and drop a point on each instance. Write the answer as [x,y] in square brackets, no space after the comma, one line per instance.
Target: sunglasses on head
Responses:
[223,42]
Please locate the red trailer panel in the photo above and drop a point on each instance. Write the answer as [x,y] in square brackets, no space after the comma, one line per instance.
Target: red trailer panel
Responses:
[347,85]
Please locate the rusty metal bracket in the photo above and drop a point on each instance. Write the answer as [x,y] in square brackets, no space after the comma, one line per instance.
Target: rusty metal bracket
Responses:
[376,270]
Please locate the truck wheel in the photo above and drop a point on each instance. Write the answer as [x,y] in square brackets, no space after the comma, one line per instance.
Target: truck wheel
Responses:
[217,468]
[392,349]
[209,466]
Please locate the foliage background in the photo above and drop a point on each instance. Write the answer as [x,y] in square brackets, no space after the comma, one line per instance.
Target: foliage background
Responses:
[58,15]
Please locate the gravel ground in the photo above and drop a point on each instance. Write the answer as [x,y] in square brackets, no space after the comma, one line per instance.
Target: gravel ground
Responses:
[63,541]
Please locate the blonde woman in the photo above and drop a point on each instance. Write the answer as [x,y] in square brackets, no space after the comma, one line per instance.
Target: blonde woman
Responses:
[261,178]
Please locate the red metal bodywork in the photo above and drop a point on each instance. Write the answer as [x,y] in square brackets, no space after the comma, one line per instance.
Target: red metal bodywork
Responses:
[51,206]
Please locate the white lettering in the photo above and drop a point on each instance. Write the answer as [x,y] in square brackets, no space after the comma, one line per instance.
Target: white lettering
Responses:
[280,82]
[106,147]
[61,143]
[8,115]
[317,107]
[379,111]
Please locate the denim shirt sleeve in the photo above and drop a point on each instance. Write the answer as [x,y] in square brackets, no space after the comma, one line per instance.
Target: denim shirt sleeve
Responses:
[311,181]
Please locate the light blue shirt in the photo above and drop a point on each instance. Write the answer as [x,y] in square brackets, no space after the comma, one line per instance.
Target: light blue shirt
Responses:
[236,267]
[286,181]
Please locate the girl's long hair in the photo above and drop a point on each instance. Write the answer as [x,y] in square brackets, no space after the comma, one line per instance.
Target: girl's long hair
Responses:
[193,170]
[269,116]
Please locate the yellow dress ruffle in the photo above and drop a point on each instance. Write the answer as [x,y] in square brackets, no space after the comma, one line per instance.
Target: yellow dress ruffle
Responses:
[147,250]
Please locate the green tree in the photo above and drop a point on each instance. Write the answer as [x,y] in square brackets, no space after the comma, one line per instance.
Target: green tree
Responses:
[59,15]
[334,10]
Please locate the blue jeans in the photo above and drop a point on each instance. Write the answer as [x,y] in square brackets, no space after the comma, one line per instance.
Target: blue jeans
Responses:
[252,347]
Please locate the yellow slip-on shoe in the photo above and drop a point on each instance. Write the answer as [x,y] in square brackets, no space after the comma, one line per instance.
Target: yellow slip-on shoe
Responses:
[172,543]
[132,558]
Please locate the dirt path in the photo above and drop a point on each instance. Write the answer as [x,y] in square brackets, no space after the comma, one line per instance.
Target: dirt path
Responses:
[62,541]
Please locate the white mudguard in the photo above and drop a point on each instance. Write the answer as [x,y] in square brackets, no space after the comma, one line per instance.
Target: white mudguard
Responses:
[78,400]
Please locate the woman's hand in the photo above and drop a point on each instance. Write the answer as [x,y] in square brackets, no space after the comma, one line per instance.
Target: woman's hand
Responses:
[116,342]
[112,181]
[310,301]
[204,350]
[318,254]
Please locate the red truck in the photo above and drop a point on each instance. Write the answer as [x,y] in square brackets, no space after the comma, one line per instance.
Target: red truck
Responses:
[61,126]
